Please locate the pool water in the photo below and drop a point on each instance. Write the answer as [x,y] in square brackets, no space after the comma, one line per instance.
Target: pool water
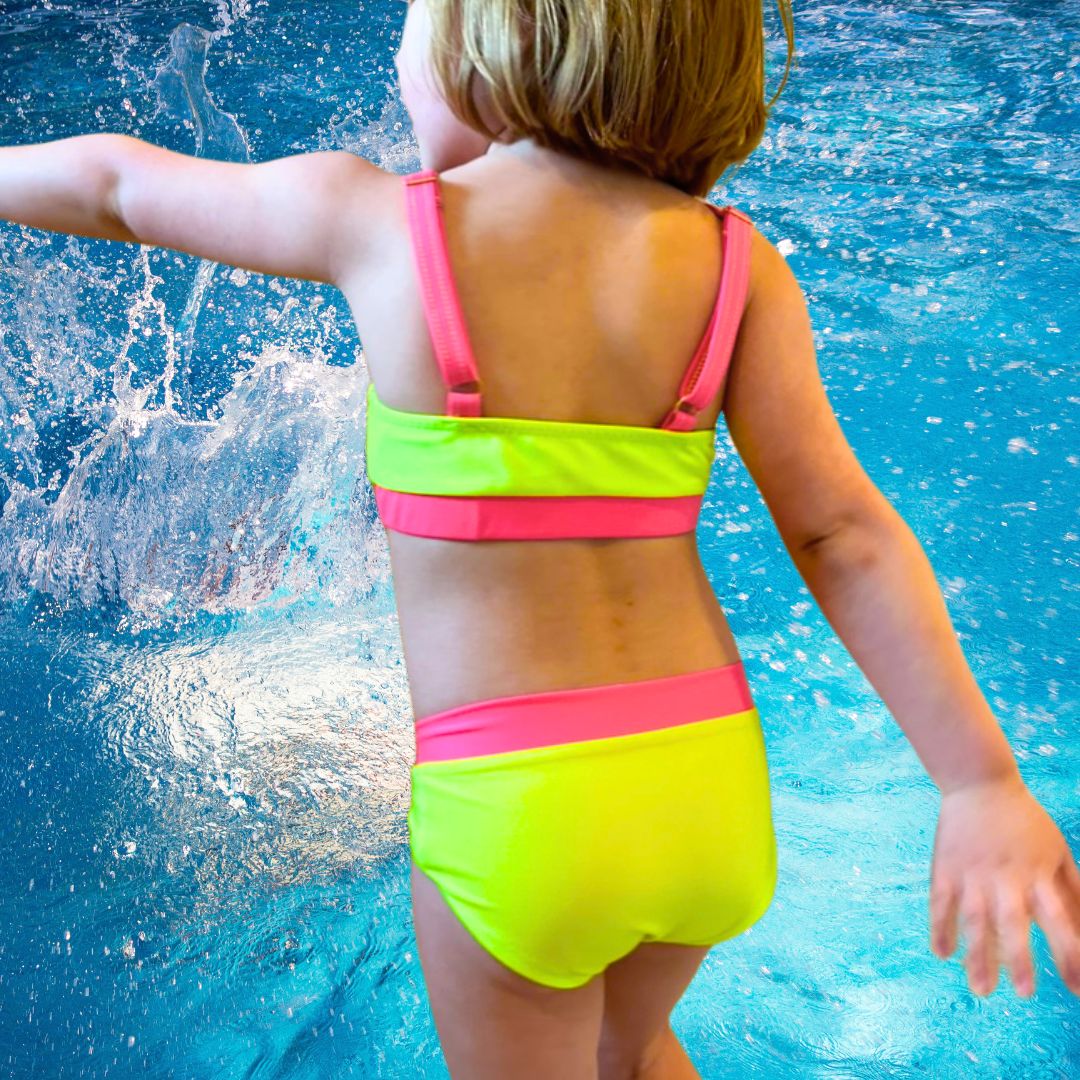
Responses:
[204,723]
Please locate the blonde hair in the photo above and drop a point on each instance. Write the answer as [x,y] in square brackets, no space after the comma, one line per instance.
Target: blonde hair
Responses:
[674,89]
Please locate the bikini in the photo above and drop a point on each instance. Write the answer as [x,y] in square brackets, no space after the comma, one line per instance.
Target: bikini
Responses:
[564,828]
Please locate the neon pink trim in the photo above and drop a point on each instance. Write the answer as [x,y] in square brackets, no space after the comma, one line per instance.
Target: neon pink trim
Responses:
[535,517]
[439,295]
[556,717]
[703,377]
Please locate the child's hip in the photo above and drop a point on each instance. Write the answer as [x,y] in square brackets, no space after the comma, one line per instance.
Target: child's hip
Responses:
[641,807]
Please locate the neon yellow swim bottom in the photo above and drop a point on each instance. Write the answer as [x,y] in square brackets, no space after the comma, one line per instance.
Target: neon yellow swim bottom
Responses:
[565,828]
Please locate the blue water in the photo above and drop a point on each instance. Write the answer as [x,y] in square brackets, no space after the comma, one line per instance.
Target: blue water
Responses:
[204,722]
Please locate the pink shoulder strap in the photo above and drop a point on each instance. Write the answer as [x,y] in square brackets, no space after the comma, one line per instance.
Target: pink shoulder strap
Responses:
[706,372]
[442,306]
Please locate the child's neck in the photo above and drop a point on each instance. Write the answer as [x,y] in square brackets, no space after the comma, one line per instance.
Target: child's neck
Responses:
[529,152]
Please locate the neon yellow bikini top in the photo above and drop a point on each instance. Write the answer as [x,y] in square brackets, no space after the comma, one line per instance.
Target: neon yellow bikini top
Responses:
[465,476]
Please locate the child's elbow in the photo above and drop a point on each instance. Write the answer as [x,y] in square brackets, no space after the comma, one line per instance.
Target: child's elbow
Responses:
[113,163]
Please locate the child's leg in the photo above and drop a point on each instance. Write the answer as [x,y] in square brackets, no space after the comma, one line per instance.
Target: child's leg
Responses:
[640,990]
[492,1022]
[669,1062]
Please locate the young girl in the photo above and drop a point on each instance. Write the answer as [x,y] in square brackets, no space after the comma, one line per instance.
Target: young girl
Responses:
[554,320]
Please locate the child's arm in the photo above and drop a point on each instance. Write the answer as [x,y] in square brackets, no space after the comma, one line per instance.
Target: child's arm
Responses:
[875,585]
[312,216]
[858,557]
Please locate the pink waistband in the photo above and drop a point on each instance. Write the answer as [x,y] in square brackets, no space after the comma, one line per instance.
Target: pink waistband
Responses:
[526,721]
[535,517]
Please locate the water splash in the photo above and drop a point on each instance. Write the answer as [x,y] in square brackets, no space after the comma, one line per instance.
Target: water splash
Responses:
[156,508]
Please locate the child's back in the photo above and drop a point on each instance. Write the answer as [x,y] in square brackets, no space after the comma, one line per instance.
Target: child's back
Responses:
[585,293]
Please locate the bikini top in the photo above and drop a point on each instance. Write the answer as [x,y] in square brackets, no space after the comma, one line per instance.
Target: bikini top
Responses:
[466,476]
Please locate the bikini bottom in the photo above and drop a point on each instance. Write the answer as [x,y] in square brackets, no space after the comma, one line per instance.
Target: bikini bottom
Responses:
[566,827]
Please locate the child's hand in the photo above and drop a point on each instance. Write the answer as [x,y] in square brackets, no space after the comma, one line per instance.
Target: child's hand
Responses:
[999,863]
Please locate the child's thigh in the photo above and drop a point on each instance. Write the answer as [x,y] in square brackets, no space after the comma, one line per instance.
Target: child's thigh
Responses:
[640,991]
[492,1022]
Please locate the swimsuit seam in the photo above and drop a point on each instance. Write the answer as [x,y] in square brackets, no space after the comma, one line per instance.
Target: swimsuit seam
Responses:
[460,424]
[744,718]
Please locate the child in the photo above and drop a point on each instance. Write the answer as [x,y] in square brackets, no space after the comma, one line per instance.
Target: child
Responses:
[554,321]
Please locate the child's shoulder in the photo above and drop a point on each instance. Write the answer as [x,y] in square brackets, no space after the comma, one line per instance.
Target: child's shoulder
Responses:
[769,269]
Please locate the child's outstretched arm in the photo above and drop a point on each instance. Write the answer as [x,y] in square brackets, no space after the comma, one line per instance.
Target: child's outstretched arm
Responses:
[312,216]
[999,860]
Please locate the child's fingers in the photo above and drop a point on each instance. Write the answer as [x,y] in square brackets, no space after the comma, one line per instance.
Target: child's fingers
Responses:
[1014,933]
[1064,939]
[981,960]
[1071,874]
[944,901]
